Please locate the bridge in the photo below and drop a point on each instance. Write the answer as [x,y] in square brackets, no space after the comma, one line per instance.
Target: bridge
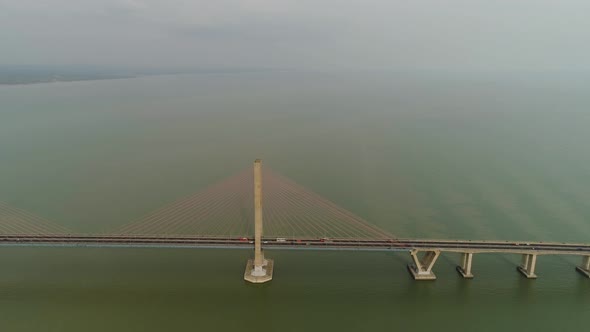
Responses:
[296,219]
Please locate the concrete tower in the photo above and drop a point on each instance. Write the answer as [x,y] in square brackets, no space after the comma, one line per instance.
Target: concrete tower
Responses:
[258,270]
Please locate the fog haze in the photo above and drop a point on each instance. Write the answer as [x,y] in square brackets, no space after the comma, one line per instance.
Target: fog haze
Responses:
[470,35]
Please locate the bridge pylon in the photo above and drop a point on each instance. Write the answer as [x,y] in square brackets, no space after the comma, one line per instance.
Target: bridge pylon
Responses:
[259,269]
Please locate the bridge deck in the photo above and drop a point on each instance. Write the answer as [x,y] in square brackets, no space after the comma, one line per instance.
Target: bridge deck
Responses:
[462,246]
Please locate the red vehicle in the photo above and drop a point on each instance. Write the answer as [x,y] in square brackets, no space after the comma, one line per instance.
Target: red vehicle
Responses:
[243,239]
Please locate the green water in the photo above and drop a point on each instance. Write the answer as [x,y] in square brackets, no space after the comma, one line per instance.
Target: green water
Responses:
[476,157]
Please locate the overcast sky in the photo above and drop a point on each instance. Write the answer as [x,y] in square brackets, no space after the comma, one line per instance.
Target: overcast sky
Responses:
[347,34]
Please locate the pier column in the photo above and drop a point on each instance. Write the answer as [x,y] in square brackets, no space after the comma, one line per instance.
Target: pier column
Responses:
[527,268]
[585,267]
[422,267]
[260,269]
[258,254]
[465,268]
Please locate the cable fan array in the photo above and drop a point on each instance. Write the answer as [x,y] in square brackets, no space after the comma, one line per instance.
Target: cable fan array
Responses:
[226,209]
[14,221]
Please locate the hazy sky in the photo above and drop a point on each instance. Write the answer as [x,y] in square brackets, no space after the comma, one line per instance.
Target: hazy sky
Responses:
[350,34]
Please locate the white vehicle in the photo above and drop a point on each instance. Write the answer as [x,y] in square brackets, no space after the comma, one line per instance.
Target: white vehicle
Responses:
[281,239]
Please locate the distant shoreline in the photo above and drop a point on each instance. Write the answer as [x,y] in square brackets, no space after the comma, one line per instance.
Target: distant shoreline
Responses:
[15,76]
[63,80]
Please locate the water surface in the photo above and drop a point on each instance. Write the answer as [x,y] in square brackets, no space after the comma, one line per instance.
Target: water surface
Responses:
[473,157]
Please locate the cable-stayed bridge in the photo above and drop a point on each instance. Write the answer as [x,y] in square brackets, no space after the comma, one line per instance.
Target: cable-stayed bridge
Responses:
[238,213]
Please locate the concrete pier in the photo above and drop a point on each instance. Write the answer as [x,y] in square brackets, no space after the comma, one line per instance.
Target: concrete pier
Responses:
[260,269]
[585,267]
[422,267]
[465,268]
[264,274]
[527,268]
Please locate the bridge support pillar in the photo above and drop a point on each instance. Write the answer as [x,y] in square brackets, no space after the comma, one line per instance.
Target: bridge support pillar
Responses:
[259,269]
[585,267]
[465,268]
[422,267]
[527,268]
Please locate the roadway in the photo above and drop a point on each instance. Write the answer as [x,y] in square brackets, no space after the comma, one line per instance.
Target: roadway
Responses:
[175,241]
